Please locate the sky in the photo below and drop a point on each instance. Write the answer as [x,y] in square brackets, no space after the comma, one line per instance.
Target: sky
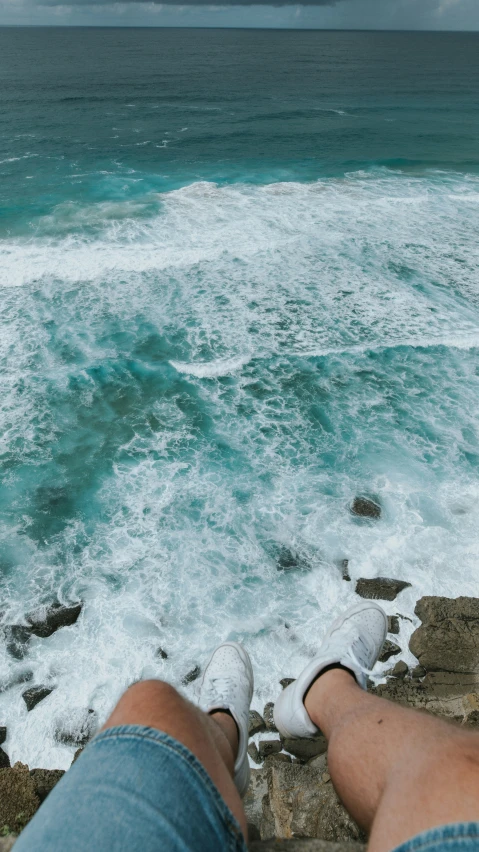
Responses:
[335,14]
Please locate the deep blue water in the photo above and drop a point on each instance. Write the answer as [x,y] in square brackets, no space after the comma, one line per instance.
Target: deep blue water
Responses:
[239,285]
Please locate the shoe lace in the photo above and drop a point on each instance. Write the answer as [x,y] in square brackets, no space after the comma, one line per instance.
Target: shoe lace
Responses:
[352,633]
[219,690]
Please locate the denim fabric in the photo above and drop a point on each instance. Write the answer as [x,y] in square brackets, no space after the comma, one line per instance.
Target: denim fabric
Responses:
[457,837]
[133,789]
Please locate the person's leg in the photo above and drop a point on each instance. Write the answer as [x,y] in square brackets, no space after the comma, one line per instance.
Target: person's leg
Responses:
[161,773]
[397,771]
[213,739]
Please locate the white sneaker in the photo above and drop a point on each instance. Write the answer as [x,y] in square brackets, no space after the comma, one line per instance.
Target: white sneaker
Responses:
[354,641]
[228,685]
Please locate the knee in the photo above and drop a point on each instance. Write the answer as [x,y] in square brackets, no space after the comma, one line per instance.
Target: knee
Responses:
[152,692]
[145,703]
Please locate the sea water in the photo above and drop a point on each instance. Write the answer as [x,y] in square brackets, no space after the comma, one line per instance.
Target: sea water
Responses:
[239,279]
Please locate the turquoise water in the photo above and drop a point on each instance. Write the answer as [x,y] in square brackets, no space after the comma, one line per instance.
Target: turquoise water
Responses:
[240,285]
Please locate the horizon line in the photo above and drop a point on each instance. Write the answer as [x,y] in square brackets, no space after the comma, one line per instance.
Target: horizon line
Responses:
[232,27]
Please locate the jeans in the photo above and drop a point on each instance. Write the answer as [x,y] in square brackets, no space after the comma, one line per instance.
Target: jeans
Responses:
[134,789]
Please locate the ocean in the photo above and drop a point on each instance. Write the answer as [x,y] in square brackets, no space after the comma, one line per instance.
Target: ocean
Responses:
[239,278]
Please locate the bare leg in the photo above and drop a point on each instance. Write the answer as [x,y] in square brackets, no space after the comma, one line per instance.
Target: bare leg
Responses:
[212,739]
[397,771]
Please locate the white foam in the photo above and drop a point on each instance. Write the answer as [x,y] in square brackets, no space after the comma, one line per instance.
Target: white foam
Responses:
[212,369]
[240,288]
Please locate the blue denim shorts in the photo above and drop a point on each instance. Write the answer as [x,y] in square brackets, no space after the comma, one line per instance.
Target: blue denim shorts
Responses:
[134,789]
[457,837]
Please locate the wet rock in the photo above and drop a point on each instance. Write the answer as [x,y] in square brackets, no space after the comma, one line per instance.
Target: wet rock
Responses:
[34,695]
[363,507]
[254,753]
[268,717]
[17,638]
[4,759]
[77,754]
[390,649]
[299,804]
[256,723]
[380,588]
[6,843]
[76,728]
[287,560]
[191,676]
[393,624]
[448,639]
[305,749]
[161,654]
[400,670]
[44,781]
[285,681]
[18,799]
[345,570]
[267,747]
[3,734]
[47,620]
[418,672]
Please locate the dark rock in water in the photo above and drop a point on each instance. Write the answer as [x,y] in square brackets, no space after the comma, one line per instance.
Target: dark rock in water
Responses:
[77,728]
[162,654]
[345,570]
[3,734]
[254,753]
[268,717]
[305,749]
[393,624]
[48,620]
[18,799]
[363,507]
[34,695]
[44,781]
[400,670]
[267,747]
[286,560]
[4,759]
[256,723]
[17,637]
[285,681]
[390,649]
[448,639]
[191,676]
[418,672]
[380,588]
